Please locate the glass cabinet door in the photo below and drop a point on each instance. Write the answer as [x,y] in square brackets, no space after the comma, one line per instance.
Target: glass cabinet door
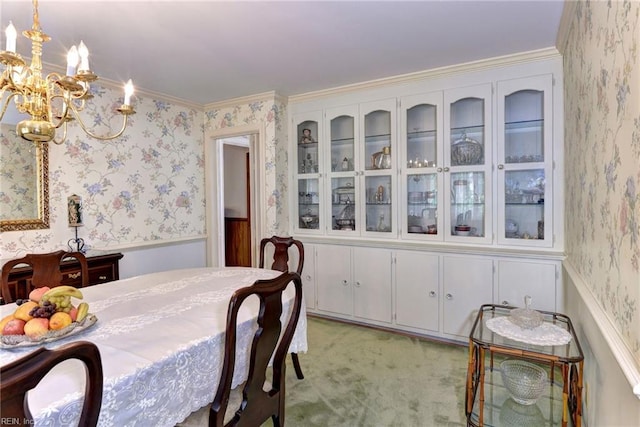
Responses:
[378,160]
[524,163]
[343,194]
[468,215]
[309,197]
[342,137]
[422,204]
[421,155]
[308,153]
[308,165]
[468,164]
[343,205]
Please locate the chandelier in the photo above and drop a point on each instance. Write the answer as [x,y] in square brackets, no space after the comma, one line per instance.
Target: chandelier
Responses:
[54,100]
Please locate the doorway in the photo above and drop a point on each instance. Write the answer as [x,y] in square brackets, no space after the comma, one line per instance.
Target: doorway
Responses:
[237,202]
[233,155]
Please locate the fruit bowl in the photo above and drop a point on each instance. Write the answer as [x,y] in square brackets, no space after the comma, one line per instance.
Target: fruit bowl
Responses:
[525,381]
[15,341]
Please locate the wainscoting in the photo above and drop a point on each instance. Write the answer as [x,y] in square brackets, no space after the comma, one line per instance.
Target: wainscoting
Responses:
[611,375]
[237,248]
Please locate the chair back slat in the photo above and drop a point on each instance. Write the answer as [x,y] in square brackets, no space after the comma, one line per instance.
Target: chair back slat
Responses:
[281,253]
[269,343]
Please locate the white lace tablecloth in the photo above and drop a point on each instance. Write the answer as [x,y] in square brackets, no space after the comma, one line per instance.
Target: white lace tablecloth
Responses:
[161,338]
[545,334]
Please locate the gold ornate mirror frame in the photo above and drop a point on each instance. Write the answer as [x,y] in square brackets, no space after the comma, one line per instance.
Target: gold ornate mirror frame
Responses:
[42,221]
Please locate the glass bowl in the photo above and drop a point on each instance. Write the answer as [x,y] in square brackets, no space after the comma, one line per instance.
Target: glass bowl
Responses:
[525,381]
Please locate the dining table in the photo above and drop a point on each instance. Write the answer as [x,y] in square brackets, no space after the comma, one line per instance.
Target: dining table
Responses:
[161,340]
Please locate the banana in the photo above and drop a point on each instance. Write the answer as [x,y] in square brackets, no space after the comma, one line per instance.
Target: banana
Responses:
[83,309]
[62,291]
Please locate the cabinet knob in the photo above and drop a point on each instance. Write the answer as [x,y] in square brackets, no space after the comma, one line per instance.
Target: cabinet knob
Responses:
[345,283]
[505,302]
[446,169]
[358,284]
[102,277]
[449,296]
[308,277]
[74,275]
[439,170]
[432,294]
[500,166]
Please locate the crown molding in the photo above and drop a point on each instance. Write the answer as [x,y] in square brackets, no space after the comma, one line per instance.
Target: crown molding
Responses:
[523,57]
[265,96]
[139,92]
[564,29]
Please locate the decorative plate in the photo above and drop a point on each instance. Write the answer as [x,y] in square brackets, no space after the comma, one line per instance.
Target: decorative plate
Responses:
[16,341]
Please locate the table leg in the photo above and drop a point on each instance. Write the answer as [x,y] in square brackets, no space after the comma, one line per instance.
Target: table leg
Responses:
[575,396]
[470,374]
[565,394]
[481,391]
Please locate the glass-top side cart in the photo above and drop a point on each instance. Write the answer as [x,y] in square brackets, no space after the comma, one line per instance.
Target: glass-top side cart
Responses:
[488,403]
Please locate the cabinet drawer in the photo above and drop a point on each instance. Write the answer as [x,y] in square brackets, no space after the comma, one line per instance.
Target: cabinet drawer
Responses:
[72,277]
[102,274]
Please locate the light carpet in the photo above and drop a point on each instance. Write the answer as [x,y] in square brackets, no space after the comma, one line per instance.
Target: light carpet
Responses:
[358,376]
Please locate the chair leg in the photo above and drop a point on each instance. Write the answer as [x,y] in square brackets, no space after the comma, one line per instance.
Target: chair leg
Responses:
[296,366]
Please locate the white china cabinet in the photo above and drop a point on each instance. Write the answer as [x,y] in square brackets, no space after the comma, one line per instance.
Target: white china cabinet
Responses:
[456,177]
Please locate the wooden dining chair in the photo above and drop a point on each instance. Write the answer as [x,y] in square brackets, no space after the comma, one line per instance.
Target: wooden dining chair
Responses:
[281,263]
[257,404]
[46,272]
[24,374]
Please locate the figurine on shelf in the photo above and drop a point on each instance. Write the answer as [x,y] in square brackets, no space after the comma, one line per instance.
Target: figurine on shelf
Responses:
[306,137]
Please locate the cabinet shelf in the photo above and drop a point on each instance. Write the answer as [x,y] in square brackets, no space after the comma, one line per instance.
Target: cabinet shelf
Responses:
[341,142]
[525,204]
[313,145]
[500,409]
[524,125]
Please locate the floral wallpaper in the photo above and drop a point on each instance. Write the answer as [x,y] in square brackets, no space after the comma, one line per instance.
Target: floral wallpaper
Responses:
[146,185]
[272,113]
[18,184]
[602,146]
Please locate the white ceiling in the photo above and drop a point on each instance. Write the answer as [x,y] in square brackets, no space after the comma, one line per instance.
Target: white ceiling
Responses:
[208,51]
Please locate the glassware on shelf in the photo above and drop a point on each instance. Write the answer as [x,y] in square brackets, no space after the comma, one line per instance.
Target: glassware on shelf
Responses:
[346,219]
[466,151]
[382,159]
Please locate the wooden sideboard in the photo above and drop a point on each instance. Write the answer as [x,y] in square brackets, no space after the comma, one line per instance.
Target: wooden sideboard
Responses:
[102,268]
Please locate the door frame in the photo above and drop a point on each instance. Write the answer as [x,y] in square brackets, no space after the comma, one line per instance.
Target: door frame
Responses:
[214,189]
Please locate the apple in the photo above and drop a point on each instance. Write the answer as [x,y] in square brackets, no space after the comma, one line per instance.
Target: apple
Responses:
[59,320]
[73,313]
[14,327]
[4,321]
[36,294]
[36,327]
[22,312]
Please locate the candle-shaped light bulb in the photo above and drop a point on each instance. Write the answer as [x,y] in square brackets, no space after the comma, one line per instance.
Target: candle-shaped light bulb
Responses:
[128,91]
[72,61]
[11,35]
[84,57]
